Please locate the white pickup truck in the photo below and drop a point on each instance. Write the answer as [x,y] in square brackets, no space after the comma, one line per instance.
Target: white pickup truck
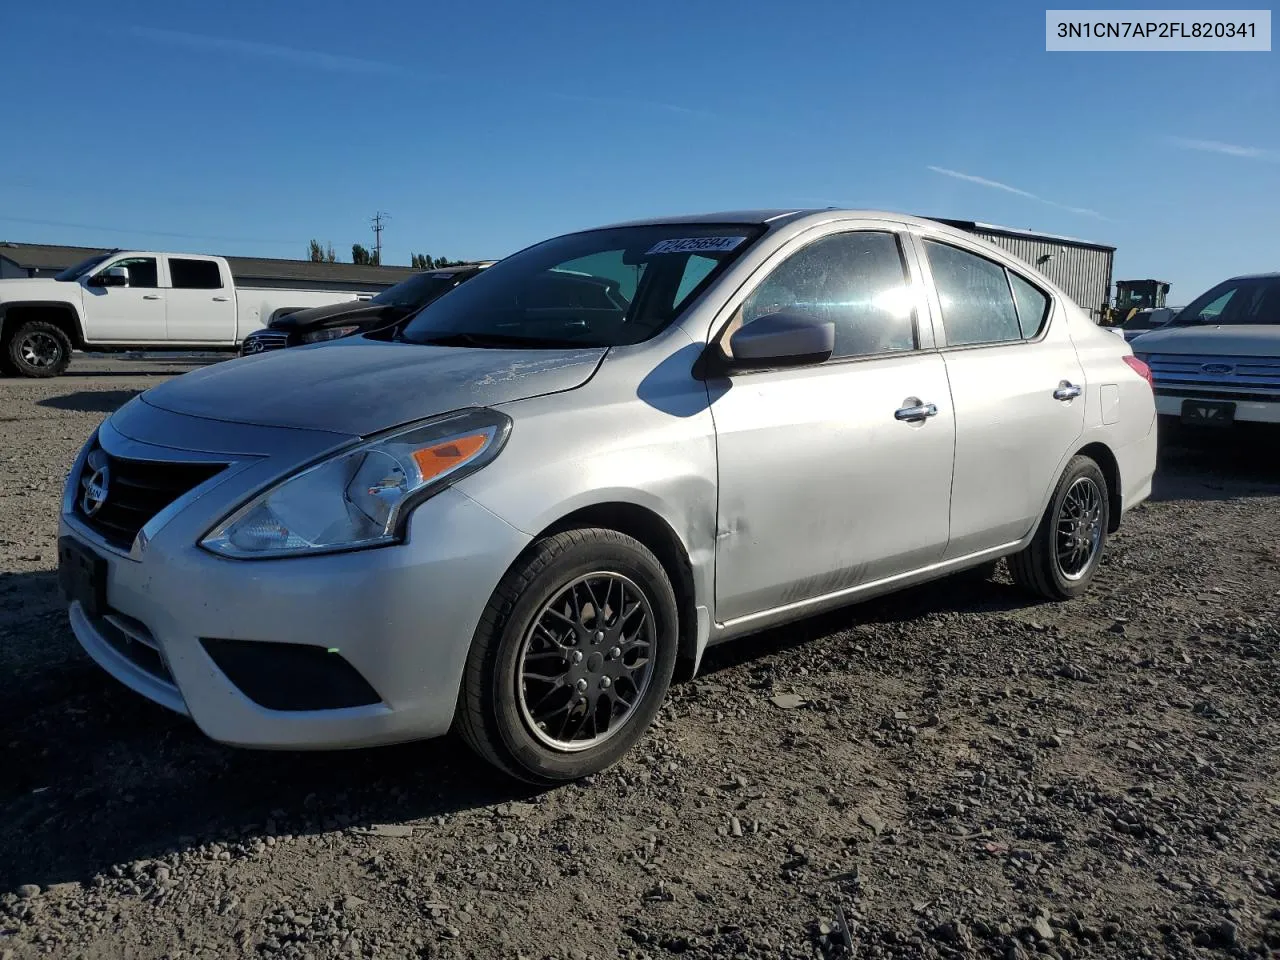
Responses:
[133,299]
[1217,362]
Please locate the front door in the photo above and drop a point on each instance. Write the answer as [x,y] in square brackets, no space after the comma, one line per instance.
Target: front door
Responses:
[825,481]
[202,306]
[134,313]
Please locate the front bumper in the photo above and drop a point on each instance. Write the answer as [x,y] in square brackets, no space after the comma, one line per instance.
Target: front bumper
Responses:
[402,616]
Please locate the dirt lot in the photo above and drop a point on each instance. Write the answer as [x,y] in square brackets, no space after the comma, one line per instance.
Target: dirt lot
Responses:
[949,771]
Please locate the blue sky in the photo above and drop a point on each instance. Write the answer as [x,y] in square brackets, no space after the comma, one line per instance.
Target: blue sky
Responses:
[249,129]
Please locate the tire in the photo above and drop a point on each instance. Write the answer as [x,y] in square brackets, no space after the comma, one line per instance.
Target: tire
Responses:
[510,716]
[37,349]
[1039,567]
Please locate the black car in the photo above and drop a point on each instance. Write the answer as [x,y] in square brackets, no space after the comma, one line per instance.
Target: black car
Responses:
[335,320]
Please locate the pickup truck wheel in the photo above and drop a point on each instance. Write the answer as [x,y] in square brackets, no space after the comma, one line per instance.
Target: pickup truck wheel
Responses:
[37,349]
[572,658]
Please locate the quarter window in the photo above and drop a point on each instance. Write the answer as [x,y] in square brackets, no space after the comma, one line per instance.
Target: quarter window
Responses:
[1033,305]
[142,271]
[856,280]
[977,304]
[194,274]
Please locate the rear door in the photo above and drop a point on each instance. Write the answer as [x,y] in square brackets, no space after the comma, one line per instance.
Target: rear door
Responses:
[202,306]
[1017,386]
[134,313]
[826,479]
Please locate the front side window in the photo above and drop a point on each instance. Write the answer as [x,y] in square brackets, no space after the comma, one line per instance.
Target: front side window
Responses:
[194,274]
[599,288]
[977,304]
[142,271]
[856,280]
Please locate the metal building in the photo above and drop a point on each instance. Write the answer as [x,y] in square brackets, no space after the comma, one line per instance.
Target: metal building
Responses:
[1081,268]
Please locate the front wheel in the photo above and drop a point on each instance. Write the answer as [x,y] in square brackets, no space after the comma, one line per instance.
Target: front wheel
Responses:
[1063,556]
[37,349]
[572,657]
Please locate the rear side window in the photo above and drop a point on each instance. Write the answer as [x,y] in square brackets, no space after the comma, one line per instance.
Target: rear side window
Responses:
[977,304]
[1033,305]
[194,274]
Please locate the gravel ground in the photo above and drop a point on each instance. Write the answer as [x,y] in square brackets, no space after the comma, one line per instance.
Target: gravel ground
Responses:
[949,771]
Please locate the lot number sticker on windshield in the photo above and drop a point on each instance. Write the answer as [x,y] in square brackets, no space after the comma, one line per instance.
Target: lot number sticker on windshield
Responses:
[696,245]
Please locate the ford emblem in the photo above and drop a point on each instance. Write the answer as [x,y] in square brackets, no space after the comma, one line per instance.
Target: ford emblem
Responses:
[1217,368]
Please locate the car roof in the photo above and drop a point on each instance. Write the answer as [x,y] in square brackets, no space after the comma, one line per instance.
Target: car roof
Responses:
[1256,276]
[779,217]
[458,267]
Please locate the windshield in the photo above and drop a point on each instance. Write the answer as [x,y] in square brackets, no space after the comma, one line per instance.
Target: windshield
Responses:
[1247,301]
[80,269]
[600,288]
[416,291]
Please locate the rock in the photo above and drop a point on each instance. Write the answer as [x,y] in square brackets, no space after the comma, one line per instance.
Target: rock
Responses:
[391,830]
[162,873]
[873,820]
[1110,931]
[1226,933]
[29,890]
[788,701]
[1042,928]
[1073,671]
[735,826]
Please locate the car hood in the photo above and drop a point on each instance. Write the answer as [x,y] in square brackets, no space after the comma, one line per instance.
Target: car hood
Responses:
[36,288]
[360,386]
[1243,340]
[355,311]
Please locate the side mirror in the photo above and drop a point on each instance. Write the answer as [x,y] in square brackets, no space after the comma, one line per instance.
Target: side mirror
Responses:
[111,277]
[781,340]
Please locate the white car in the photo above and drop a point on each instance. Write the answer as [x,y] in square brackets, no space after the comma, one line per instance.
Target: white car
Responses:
[1218,361]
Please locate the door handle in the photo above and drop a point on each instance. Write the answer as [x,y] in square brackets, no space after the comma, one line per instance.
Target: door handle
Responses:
[219,299]
[1067,391]
[915,412]
[151,296]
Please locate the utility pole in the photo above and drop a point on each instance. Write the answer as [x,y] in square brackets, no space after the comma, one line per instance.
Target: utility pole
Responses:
[377,221]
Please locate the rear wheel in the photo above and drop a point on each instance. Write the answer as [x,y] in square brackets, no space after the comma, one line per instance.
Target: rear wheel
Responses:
[37,349]
[1063,556]
[572,657]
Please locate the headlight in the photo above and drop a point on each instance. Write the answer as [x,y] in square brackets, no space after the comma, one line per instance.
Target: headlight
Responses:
[361,497]
[329,333]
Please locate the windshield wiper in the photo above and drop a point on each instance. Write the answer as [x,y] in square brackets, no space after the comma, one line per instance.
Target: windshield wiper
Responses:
[497,340]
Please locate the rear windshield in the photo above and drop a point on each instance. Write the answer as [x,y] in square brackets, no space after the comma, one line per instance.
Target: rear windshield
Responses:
[1251,300]
[599,288]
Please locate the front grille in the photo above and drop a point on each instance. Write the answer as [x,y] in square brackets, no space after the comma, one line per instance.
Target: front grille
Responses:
[1254,377]
[133,641]
[262,341]
[135,491]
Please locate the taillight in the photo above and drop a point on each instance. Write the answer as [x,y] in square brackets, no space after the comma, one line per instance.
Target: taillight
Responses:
[1141,369]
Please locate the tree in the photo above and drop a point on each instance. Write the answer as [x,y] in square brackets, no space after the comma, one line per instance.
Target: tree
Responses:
[329,255]
[315,253]
[360,255]
[376,258]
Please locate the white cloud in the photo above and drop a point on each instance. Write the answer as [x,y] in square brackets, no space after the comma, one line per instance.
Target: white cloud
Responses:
[1227,149]
[1016,191]
[268,51]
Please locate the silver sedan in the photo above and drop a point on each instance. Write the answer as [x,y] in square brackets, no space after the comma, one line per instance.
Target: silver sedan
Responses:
[568,476]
